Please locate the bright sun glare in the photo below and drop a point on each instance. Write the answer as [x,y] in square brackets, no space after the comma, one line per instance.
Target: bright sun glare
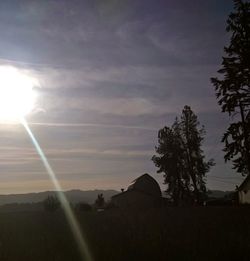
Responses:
[17,99]
[17,96]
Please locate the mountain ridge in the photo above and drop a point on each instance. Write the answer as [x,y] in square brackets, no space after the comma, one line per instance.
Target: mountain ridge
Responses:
[74,196]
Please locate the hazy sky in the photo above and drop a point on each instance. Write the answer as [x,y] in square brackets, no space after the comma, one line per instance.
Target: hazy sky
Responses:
[111,73]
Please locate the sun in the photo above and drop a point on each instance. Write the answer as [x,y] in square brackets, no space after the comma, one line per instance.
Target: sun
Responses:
[17,95]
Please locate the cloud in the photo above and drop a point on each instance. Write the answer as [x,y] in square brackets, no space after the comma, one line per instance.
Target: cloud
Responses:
[111,74]
[109,126]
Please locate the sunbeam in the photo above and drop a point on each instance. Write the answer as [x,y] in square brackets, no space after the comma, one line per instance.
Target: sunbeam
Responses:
[75,227]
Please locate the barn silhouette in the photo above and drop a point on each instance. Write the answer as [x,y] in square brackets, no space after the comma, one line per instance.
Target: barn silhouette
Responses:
[143,192]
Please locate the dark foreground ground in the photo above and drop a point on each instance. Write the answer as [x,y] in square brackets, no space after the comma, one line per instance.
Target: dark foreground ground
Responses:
[201,233]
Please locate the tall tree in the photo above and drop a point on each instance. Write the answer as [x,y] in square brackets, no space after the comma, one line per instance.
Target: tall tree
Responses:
[196,166]
[170,160]
[181,158]
[233,90]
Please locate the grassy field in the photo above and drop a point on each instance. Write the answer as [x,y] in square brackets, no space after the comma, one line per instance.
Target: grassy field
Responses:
[201,233]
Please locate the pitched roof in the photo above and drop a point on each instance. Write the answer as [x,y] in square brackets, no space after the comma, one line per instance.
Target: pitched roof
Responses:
[146,184]
[245,185]
[122,193]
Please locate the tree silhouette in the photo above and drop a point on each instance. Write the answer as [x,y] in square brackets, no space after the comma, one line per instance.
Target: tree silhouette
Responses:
[233,90]
[100,201]
[51,203]
[169,162]
[181,158]
[192,137]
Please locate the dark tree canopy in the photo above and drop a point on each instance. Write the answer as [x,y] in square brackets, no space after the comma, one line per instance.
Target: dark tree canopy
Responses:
[181,158]
[233,89]
[100,201]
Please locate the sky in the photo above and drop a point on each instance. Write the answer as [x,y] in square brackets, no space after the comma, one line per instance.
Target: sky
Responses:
[111,73]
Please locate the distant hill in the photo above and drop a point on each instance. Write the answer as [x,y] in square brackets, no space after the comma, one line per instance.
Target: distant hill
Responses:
[212,193]
[218,193]
[74,196]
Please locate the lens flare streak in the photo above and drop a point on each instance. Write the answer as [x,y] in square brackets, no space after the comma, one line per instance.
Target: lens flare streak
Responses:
[75,227]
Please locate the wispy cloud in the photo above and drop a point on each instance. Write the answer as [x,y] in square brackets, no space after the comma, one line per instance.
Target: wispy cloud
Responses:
[65,124]
[111,74]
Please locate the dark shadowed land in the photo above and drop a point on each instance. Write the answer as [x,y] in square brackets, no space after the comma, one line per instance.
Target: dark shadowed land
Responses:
[197,233]
[74,196]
